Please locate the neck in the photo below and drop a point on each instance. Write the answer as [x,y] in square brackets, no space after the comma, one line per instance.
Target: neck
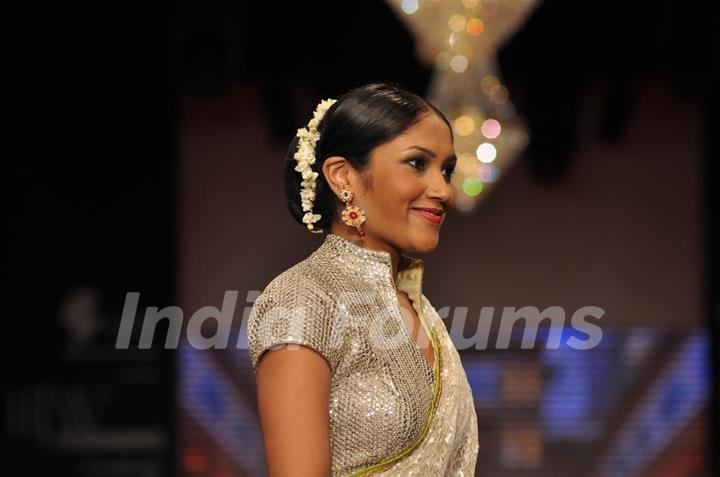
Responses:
[369,243]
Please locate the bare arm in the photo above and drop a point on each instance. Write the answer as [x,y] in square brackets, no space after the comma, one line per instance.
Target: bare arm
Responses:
[293,387]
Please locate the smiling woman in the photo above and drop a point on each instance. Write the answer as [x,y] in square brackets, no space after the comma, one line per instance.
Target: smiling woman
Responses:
[376,386]
[404,186]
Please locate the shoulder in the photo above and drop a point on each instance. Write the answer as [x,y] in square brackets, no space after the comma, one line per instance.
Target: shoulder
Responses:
[295,307]
[303,284]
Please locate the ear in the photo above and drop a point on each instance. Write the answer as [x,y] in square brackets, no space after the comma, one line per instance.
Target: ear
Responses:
[337,171]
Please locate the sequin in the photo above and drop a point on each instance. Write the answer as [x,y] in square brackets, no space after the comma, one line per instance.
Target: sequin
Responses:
[391,412]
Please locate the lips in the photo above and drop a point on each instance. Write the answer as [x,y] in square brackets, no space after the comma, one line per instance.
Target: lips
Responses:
[431,214]
[432,210]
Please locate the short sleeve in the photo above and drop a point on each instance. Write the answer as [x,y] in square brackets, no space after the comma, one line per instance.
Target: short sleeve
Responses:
[292,309]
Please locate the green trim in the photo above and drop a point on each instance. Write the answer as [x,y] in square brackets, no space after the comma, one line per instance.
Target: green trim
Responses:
[433,406]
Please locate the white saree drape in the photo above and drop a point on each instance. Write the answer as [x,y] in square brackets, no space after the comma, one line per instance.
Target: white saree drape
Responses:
[451,446]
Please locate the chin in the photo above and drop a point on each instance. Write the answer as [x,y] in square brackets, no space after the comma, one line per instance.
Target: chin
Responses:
[424,241]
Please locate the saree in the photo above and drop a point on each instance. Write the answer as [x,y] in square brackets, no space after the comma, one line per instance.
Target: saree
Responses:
[391,412]
[450,446]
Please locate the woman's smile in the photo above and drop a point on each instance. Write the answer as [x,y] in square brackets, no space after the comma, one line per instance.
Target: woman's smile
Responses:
[432,215]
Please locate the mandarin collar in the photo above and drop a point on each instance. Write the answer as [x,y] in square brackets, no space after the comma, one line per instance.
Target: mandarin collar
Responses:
[410,269]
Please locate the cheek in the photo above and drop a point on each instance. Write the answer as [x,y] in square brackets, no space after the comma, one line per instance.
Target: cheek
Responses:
[404,192]
[395,192]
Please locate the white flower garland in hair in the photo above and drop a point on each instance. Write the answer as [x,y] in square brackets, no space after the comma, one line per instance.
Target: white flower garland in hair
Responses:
[305,156]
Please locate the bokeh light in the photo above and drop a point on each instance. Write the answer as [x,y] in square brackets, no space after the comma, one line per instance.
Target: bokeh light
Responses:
[490,128]
[475,27]
[499,94]
[464,125]
[442,61]
[461,40]
[409,6]
[459,63]
[467,164]
[488,173]
[486,152]
[474,112]
[488,84]
[457,23]
[472,186]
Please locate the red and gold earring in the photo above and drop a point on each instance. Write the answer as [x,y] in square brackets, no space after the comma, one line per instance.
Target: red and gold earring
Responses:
[352,215]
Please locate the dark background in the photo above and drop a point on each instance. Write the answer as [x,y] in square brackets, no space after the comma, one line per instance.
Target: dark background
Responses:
[95,91]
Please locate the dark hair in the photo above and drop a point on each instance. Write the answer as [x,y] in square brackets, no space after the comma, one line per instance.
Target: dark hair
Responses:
[361,120]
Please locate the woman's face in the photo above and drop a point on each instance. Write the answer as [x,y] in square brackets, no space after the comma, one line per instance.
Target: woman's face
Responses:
[412,171]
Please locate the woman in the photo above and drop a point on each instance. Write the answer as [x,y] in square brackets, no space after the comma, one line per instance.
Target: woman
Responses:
[356,374]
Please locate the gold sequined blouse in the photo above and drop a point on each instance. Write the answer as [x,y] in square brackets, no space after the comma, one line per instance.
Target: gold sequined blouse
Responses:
[391,413]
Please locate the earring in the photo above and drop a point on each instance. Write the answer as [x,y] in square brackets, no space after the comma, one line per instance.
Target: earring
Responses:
[352,215]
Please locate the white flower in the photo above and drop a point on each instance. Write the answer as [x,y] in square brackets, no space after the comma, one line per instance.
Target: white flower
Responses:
[309,183]
[302,166]
[310,218]
[324,106]
[307,174]
[303,133]
[305,157]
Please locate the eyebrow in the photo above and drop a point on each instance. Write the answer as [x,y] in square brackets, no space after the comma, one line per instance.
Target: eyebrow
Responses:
[428,151]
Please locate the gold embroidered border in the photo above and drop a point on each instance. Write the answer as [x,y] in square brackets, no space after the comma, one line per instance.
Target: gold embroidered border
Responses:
[436,399]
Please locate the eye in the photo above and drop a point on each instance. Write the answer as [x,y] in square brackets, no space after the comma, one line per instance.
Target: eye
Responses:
[420,162]
[449,170]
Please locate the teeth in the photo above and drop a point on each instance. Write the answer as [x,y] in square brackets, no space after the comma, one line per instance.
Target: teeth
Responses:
[429,212]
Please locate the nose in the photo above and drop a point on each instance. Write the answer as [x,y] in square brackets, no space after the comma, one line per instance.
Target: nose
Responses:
[440,190]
